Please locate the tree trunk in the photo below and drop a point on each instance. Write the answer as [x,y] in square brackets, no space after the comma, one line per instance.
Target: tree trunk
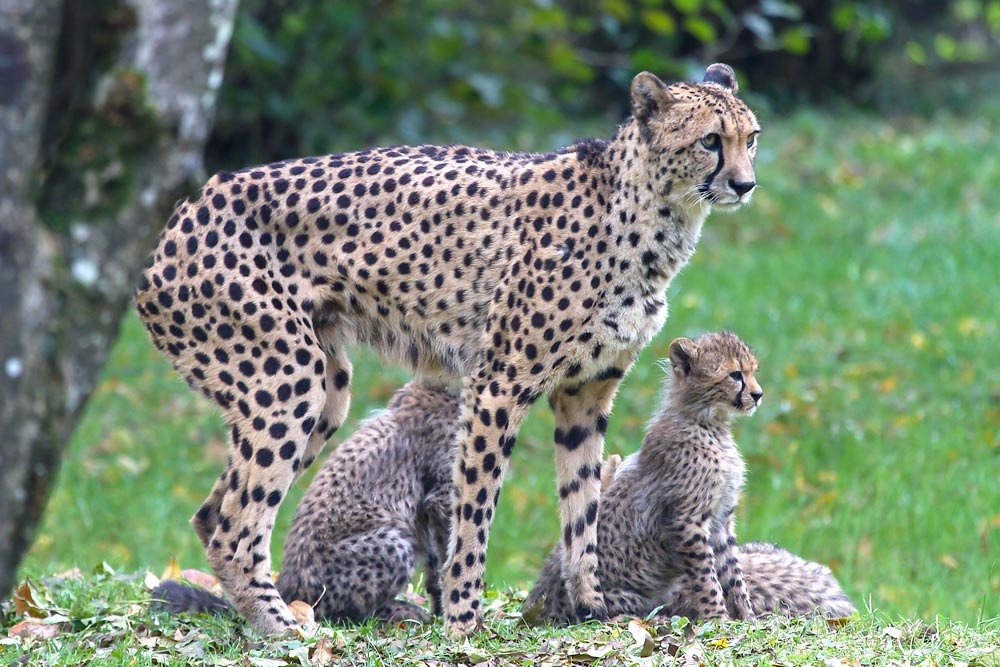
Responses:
[105,106]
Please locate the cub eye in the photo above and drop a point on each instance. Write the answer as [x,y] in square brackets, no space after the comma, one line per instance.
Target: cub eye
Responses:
[736,375]
[751,140]
[711,141]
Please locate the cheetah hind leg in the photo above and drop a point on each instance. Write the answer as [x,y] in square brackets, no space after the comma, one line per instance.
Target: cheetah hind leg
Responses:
[264,464]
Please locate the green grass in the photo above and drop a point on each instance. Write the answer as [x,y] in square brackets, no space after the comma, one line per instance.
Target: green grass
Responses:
[865,275]
[104,621]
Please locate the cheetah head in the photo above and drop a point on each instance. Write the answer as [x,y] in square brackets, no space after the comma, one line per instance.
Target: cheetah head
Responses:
[715,375]
[702,139]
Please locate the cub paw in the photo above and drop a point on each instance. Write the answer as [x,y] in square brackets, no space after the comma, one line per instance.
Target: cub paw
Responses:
[586,613]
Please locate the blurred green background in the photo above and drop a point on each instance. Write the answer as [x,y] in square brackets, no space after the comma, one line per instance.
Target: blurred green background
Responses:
[865,273]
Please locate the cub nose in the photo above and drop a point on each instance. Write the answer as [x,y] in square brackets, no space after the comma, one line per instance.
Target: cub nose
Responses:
[742,187]
[756,396]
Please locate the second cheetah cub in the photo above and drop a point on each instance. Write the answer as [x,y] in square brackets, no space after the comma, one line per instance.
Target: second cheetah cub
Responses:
[665,521]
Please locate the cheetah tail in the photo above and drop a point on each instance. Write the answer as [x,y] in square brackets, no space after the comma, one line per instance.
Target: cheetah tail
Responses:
[176,598]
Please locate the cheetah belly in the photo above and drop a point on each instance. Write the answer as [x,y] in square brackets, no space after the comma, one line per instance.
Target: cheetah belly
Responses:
[416,342]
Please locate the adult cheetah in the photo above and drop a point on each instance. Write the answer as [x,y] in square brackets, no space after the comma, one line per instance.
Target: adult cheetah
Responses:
[522,274]
[665,530]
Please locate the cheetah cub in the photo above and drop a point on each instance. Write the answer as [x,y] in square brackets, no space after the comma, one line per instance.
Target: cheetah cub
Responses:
[665,526]
[379,506]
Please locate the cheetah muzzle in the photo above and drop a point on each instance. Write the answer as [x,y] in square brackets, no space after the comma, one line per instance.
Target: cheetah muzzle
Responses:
[520,274]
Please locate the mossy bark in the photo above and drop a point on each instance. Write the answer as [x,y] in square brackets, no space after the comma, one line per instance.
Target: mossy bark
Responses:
[104,112]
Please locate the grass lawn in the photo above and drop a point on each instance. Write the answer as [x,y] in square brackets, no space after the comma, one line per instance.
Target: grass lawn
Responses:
[105,622]
[865,275]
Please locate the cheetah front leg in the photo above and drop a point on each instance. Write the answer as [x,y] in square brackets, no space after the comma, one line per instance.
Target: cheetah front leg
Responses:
[729,571]
[581,416]
[697,562]
[437,508]
[486,439]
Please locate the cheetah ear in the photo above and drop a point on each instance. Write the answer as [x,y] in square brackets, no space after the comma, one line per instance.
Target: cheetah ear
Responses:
[682,353]
[723,75]
[649,96]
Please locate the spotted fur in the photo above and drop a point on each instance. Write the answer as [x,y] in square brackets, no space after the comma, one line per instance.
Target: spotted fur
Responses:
[521,274]
[666,535]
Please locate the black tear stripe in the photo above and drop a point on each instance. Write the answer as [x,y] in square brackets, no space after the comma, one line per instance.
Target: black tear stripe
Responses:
[711,177]
[738,401]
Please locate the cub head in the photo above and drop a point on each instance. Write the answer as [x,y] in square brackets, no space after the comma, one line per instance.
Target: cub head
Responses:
[702,138]
[714,376]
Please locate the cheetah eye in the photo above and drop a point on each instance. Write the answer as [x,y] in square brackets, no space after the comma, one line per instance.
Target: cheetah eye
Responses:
[751,140]
[711,141]
[736,375]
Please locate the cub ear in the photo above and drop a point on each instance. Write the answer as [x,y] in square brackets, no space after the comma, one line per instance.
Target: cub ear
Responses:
[682,353]
[723,75]
[649,96]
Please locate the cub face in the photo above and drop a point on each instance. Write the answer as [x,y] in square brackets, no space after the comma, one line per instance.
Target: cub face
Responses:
[703,136]
[716,374]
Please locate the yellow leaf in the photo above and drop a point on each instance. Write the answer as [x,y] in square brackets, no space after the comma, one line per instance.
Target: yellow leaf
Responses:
[888,384]
[949,561]
[969,326]
[721,642]
[173,570]
[918,340]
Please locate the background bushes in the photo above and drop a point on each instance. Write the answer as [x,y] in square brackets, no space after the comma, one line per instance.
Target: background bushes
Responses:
[311,76]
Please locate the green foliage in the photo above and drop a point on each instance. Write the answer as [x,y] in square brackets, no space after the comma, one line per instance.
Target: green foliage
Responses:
[313,77]
[104,621]
[861,276]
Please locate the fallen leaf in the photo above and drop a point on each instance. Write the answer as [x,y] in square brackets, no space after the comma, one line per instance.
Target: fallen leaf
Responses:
[73,573]
[266,662]
[34,630]
[837,622]
[642,638]
[415,598]
[29,602]
[150,581]
[301,654]
[949,561]
[893,632]
[173,570]
[322,654]
[199,578]
[303,613]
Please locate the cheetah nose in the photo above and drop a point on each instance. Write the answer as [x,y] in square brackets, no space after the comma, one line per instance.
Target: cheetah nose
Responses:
[742,187]
[756,396]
